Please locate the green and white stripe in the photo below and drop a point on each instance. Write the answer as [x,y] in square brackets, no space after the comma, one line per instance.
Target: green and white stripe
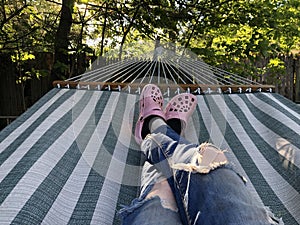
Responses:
[72,158]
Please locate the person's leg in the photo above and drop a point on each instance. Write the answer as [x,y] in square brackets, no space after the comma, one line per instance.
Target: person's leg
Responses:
[190,168]
[206,190]
[156,204]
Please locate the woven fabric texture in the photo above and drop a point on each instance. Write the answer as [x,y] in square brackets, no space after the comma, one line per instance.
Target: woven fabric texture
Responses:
[72,158]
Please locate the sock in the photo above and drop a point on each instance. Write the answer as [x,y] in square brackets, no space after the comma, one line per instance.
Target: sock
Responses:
[175,124]
[150,124]
[146,128]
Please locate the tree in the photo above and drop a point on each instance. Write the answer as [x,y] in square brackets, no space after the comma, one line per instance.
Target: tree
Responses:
[27,26]
[61,43]
[232,34]
[243,34]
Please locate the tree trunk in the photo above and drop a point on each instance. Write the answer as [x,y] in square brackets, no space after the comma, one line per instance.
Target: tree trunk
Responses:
[103,31]
[61,44]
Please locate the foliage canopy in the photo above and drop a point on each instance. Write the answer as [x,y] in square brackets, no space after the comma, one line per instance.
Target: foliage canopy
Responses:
[233,34]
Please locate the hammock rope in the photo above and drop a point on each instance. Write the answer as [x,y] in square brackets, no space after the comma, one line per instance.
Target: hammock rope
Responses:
[165,70]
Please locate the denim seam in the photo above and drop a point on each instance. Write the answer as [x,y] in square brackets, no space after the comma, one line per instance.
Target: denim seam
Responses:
[182,199]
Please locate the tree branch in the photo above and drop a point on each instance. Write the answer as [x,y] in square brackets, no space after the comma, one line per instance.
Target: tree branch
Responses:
[15,13]
[58,3]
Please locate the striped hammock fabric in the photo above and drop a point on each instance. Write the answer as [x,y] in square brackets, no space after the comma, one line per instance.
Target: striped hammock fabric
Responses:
[72,158]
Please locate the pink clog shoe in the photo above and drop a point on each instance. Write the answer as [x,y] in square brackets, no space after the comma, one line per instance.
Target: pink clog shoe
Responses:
[181,107]
[151,104]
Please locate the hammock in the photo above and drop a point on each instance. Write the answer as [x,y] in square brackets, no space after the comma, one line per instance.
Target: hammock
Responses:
[72,159]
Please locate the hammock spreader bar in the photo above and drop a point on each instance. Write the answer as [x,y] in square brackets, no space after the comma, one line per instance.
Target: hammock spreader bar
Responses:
[192,88]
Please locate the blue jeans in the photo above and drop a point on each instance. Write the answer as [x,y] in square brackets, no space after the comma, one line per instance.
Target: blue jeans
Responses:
[210,195]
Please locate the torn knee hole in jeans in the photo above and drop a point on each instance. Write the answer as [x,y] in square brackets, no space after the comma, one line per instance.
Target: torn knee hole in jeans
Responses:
[168,205]
[163,191]
[206,158]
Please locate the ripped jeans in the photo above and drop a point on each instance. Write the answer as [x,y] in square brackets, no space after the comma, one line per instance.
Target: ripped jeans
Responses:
[206,190]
